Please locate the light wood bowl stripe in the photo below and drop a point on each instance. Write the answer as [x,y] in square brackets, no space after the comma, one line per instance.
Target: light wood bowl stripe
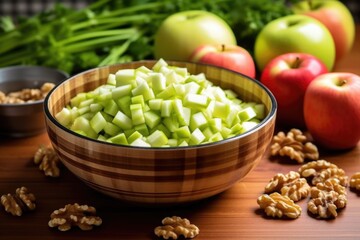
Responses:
[160,175]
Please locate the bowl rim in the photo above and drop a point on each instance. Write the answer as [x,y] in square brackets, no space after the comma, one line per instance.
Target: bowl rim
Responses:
[36,102]
[268,118]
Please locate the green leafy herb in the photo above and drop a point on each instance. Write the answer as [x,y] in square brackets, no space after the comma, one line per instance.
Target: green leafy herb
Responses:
[112,31]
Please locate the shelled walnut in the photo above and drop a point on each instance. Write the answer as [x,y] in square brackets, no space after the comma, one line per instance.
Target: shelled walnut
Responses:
[277,205]
[290,185]
[313,168]
[19,202]
[174,227]
[331,173]
[325,204]
[279,180]
[294,145]
[26,94]
[48,161]
[83,216]
[331,184]
[297,190]
[355,181]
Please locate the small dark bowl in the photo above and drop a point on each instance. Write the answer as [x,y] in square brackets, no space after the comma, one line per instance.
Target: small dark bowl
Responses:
[25,119]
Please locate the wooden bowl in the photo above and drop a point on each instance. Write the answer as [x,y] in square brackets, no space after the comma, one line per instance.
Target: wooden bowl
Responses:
[160,175]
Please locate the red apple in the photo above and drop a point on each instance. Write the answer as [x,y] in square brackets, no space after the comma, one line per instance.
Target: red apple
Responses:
[332,110]
[230,57]
[336,17]
[288,76]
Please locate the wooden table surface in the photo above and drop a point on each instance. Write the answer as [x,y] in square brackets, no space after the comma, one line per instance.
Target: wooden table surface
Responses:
[233,214]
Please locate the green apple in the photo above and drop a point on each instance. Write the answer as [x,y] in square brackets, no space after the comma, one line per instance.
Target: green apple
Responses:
[181,33]
[336,17]
[297,34]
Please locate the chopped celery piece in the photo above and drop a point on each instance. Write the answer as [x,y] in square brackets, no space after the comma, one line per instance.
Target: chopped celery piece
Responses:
[64,117]
[98,122]
[152,119]
[157,139]
[155,104]
[137,114]
[135,135]
[198,120]
[164,106]
[122,121]
[247,114]
[111,129]
[140,143]
[111,107]
[197,137]
[121,91]
[118,139]
[124,76]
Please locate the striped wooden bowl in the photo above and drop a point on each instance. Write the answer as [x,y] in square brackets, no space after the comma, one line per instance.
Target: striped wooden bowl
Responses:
[160,175]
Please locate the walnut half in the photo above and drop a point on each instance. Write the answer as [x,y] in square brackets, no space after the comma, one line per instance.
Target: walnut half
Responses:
[174,227]
[48,161]
[355,181]
[19,202]
[277,205]
[290,185]
[325,204]
[294,145]
[83,216]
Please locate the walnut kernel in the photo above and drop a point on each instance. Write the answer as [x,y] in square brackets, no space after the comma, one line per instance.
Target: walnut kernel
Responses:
[331,173]
[48,161]
[294,145]
[279,180]
[325,204]
[313,168]
[83,216]
[297,190]
[277,205]
[174,227]
[26,94]
[355,181]
[19,202]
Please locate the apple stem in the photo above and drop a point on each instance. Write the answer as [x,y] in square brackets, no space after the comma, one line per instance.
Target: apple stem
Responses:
[223,47]
[341,82]
[297,62]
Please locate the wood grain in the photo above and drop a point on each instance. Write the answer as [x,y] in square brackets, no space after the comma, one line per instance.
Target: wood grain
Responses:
[233,214]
